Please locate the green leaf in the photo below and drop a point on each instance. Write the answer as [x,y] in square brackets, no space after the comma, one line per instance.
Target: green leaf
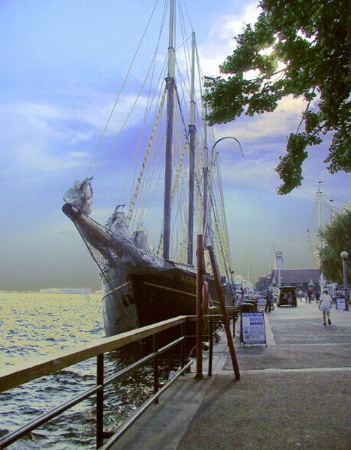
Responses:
[312,40]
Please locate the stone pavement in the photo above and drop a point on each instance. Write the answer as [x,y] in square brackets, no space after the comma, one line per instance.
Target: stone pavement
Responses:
[294,393]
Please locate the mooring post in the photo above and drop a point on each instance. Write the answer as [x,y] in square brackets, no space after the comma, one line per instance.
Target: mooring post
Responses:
[224,314]
[199,281]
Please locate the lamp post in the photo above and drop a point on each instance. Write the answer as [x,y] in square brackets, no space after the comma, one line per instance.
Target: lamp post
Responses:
[207,185]
[222,139]
[344,255]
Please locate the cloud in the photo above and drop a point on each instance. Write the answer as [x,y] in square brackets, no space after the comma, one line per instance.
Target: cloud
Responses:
[271,125]
[52,135]
[56,97]
[263,139]
[220,41]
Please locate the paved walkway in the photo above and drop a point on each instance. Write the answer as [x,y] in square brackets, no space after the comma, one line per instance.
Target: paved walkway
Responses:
[294,393]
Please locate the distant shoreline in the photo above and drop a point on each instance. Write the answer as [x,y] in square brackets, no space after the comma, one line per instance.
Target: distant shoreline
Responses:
[69,291]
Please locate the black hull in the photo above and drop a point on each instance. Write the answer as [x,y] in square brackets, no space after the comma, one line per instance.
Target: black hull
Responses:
[142,291]
[165,295]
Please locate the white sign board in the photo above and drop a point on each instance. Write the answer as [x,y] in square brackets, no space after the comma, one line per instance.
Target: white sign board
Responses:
[340,304]
[252,328]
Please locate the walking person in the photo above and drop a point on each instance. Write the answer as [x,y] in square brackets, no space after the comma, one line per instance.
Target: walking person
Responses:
[317,296]
[300,294]
[269,300]
[309,296]
[325,304]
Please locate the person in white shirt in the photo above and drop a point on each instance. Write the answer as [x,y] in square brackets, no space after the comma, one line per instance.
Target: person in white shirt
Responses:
[325,305]
[300,295]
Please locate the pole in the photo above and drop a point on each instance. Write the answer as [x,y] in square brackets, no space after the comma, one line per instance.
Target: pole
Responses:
[191,157]
[224,314]
[199,281]
[100,402]
[169,137]
[344,269]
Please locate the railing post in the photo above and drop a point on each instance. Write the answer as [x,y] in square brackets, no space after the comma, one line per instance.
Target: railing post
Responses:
[182,345]
[199,282]
[100,401]
[210,356]
[155,361]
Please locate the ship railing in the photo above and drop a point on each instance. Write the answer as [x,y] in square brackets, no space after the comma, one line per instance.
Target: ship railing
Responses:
[20,374]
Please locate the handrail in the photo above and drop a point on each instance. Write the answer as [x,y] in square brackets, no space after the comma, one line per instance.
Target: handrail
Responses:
[22,373]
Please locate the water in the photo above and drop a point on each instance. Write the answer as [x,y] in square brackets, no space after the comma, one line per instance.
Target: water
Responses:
[35,325]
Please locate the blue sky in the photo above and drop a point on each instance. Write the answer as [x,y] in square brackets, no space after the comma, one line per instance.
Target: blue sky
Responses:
[62,63]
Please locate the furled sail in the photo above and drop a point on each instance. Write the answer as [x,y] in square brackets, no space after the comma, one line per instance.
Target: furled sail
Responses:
[80,195]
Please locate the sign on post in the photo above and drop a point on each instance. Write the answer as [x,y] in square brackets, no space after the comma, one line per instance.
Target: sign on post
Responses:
[253,329]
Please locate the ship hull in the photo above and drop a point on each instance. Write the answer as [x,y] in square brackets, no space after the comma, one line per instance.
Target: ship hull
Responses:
[139,288]
[145,299]
[161,296]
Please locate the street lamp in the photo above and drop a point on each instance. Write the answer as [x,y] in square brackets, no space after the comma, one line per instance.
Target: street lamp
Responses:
[207,184]
[344,255]
[222,139]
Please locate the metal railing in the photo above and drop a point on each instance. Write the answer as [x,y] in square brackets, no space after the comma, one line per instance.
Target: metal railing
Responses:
[19,374]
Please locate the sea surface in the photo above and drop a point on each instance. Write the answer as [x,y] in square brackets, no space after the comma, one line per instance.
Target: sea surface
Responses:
[34,325]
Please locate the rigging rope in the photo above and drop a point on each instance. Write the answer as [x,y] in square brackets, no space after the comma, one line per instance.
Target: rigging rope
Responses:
[142,184]
[146,158]
[116,102]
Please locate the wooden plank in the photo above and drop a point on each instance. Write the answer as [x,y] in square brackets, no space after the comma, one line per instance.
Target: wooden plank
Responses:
[18,374]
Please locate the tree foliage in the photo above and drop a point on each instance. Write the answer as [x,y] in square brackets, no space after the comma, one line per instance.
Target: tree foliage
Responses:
[299,48]
[336,239]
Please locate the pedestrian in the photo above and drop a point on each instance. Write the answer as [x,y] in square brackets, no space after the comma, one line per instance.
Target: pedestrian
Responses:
[317,296]
[309,295]
[269,301]
[300,294]
[242,293]
[325,304]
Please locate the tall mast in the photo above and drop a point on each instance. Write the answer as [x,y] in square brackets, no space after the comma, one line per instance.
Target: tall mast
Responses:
[319,209]
[320,246]
[169,137]
[206,185]
[319,193]
[191,156]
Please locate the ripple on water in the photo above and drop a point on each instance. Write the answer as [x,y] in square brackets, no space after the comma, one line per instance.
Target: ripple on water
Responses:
[35,325]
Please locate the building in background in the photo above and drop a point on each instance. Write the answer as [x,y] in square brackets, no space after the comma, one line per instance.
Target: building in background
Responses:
[300,278]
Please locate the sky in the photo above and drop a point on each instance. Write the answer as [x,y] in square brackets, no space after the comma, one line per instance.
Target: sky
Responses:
[62,63]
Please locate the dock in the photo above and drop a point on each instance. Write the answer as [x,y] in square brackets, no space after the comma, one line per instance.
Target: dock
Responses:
[293,393]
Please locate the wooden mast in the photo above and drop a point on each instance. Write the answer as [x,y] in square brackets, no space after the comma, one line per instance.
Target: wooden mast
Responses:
[169,137]
[191,156]
[205,226]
